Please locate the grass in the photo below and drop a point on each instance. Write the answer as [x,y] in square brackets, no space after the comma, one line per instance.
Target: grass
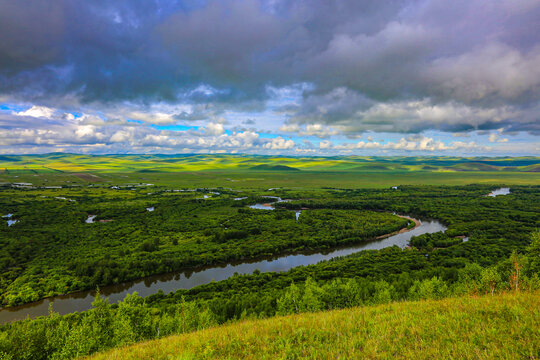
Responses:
[260,172]
[260,180]
[504,326]
[166,163]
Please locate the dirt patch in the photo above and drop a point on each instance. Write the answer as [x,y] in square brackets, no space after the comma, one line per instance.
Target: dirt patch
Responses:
[87,177]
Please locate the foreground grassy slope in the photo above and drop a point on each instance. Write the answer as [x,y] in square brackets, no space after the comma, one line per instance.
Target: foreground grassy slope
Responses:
[500,327]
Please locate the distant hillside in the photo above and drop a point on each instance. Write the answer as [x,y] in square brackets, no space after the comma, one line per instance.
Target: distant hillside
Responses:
[184,162]
[532,168]
[266,167]
[499,327]
[474,166]
[9,158]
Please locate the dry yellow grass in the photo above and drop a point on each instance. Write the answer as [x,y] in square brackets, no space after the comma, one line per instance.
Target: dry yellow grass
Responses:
[501,327]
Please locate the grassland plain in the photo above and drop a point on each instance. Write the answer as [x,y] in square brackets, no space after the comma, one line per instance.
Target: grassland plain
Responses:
[504,326]
[303,180]
[259,172]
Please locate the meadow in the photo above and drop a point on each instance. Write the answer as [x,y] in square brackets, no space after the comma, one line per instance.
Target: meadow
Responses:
[488,327]
[263,172]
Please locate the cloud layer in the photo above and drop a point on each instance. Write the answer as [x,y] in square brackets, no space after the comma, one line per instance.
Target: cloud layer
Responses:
[299,70]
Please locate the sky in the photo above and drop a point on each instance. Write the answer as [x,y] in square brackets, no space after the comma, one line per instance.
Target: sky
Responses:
[343,77]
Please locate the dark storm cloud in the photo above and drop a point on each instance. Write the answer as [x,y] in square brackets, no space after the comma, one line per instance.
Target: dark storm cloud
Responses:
[99,50]
[31,34]
[382,66]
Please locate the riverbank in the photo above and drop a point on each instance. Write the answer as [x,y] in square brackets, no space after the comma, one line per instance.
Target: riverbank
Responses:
[417,223]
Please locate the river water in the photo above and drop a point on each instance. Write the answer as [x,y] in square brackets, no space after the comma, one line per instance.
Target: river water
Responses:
[501,191]
[81,301]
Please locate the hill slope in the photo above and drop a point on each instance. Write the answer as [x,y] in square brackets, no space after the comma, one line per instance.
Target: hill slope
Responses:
[503,326]
[267,167]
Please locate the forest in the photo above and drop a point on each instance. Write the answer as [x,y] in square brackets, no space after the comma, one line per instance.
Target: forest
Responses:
[52,250]
[490,245]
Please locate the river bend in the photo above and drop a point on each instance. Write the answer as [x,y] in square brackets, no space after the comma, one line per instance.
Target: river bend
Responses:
[81,301]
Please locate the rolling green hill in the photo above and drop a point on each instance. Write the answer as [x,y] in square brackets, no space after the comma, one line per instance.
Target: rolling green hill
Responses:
[264,167]
[257,171]
[489,327]
[165,163]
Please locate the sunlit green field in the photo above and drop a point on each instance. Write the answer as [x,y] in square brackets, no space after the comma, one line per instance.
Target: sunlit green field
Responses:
[498,327]
[260,172]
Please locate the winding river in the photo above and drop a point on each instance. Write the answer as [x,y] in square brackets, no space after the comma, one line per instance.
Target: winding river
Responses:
[81,301]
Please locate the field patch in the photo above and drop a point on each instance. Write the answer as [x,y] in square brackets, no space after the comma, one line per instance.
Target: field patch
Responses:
[87,177]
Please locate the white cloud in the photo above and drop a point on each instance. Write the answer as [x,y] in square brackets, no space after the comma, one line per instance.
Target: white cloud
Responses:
[157,140]
[91,133]
[120,136]
[244,139]
[69,116]
[87,119]
[279,144]
[158,118]
[318,130]
[289,128]
[37,112]
[493,137]
[415,143]
[214,129]
[325,144]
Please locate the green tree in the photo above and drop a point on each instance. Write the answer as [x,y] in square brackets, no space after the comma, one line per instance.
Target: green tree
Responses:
[433,288]
[384,292]
[490,279]
[290,301]
[533,255]
[468,279]
[80,341]
[311,299]
[135,316]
